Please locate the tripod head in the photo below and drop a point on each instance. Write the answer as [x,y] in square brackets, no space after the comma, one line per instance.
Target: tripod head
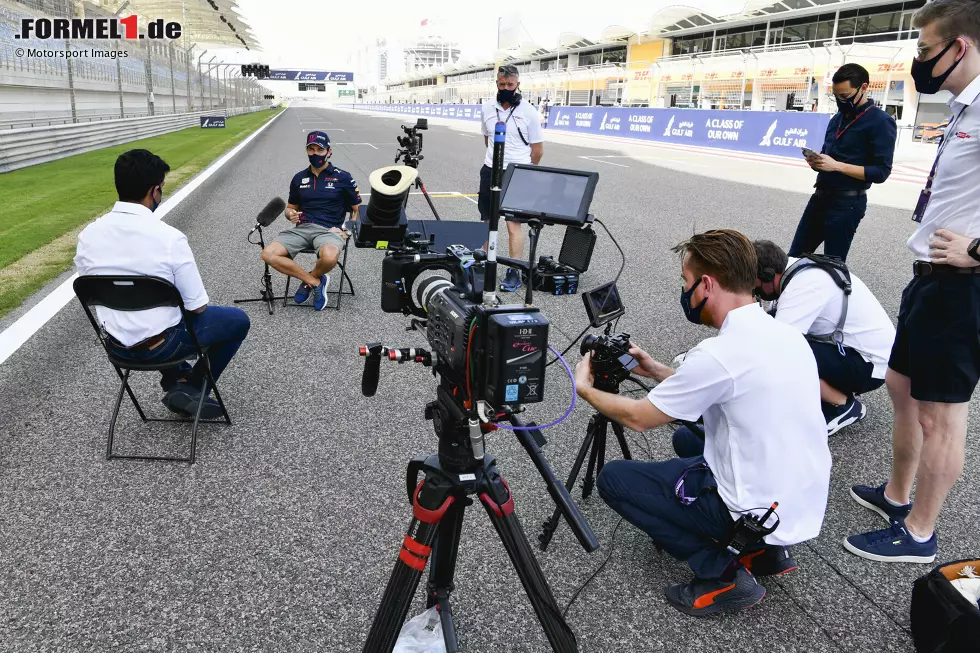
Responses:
[411,144]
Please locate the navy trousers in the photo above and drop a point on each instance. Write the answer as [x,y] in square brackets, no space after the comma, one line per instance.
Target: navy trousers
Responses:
[643,493]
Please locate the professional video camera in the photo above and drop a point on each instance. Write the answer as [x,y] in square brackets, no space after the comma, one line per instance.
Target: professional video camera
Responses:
[411,143]
[611,359]
[489,359]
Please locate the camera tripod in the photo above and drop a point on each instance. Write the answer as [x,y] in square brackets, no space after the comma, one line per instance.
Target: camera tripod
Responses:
[594,446]
[450,479]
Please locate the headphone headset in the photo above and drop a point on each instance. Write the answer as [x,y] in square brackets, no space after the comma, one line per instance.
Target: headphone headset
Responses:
[766,275]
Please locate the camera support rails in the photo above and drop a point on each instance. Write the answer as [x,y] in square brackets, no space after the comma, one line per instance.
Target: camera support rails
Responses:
[593,447]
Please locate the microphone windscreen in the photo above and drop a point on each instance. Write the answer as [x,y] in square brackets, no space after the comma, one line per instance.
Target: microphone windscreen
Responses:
[271,211]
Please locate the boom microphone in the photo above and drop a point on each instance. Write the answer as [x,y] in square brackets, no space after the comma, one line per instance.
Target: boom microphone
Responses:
[269,214]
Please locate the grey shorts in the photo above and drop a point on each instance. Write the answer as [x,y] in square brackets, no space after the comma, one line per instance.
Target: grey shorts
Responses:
[308,236]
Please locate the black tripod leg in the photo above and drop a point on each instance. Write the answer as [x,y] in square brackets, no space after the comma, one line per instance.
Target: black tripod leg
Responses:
[432,500]
[499,504]
[442,568]
[618,430]
[552,524]
[598,456]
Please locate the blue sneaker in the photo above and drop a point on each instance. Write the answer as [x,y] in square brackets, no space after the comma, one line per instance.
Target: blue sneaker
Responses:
[320,293]
[512,281]
[873,498]
[703,597]
[302,294]
[840,416]
[893,544]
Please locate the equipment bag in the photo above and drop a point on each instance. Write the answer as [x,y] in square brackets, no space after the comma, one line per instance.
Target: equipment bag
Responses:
[943,620]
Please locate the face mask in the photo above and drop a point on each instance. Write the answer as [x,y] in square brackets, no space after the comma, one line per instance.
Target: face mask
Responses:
[767,296]
[692,314]
[507,96]
[318,160]
[154,199]
[922,72]
[847,104]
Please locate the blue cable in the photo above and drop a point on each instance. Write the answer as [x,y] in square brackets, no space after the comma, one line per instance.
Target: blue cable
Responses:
[511,427]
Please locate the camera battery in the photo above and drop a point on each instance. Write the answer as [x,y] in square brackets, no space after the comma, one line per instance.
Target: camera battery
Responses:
[562,282]
[517,344]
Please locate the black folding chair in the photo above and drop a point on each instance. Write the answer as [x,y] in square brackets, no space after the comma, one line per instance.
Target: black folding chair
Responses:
[140,293]
[342,264]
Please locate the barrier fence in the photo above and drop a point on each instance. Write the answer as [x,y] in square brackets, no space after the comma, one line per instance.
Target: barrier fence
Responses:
[778,133]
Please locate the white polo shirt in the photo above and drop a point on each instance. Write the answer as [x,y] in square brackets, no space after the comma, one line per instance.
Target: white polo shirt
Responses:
[955,200]
[811,303]
[756,385]
[131,240]
[524,118]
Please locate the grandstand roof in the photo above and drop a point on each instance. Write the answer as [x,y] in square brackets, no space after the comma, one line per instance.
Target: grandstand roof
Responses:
[206,22]
[681,19]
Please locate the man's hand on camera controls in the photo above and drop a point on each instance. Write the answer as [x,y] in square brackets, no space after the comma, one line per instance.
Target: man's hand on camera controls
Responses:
[292,215]
[583,374]
[649,366]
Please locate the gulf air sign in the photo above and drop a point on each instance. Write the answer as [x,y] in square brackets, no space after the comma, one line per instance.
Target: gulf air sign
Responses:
[311,76]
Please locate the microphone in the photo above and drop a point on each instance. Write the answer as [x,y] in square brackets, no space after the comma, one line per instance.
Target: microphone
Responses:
[269,214]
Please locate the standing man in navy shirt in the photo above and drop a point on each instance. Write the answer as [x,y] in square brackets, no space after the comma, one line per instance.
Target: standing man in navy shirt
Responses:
[857,152]
[319,198]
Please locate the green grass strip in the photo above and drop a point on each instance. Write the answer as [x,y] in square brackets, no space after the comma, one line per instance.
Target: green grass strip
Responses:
[42,208]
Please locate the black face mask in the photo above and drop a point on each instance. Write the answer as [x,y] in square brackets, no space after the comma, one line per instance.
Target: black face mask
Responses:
[153,199]
[507,96]
[847,105]
[692,314]
[922,72]
[767,296]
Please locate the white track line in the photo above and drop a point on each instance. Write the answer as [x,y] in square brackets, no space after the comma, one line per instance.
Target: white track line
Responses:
[588,158]
[14,336]
[469,198]
[368,144]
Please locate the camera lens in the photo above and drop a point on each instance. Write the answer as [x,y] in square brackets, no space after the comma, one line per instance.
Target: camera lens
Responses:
[426,289]
[588,342]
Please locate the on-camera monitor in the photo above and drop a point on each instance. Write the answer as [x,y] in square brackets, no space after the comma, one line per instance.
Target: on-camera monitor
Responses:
[603,304]
[552,194]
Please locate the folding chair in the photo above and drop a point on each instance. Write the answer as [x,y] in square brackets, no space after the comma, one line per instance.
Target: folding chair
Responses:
[342,264]
[140,293]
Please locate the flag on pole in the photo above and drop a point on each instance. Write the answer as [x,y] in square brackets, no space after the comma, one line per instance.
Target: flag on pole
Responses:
[425,21]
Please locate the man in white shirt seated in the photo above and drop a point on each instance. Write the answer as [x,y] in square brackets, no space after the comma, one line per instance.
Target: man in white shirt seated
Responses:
[808,296]
[130,240]
[756,385]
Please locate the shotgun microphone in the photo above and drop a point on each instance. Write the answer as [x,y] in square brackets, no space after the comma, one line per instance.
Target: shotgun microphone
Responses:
[269,214]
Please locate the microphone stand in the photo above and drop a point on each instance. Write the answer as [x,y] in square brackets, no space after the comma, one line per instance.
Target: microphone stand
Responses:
[266,294]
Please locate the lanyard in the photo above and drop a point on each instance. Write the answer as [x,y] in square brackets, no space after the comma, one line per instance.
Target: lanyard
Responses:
[840,132]
[509,114]
[926,194]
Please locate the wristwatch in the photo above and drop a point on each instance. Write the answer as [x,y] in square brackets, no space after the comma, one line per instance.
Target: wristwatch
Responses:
[972,249]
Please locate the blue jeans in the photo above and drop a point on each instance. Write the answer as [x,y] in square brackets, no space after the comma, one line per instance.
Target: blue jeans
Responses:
[829,219]
[222,328]
[643,493]
[689,443]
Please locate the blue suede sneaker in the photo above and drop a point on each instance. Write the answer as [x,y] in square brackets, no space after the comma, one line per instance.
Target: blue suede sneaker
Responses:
[873,498]
[840,416]
[512,281]
[893,544]
[302,294]
[320,293]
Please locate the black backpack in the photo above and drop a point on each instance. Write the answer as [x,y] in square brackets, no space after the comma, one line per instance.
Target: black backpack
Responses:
[943,620]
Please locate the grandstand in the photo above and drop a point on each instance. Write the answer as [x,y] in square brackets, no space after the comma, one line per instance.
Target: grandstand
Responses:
[152,78]
[767,56]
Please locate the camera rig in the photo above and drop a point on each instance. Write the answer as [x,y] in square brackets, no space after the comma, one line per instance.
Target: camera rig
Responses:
[410,154]
[489,360]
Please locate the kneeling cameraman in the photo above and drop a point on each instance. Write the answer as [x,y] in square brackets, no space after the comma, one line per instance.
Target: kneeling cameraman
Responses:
[815,304]
[765,440]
